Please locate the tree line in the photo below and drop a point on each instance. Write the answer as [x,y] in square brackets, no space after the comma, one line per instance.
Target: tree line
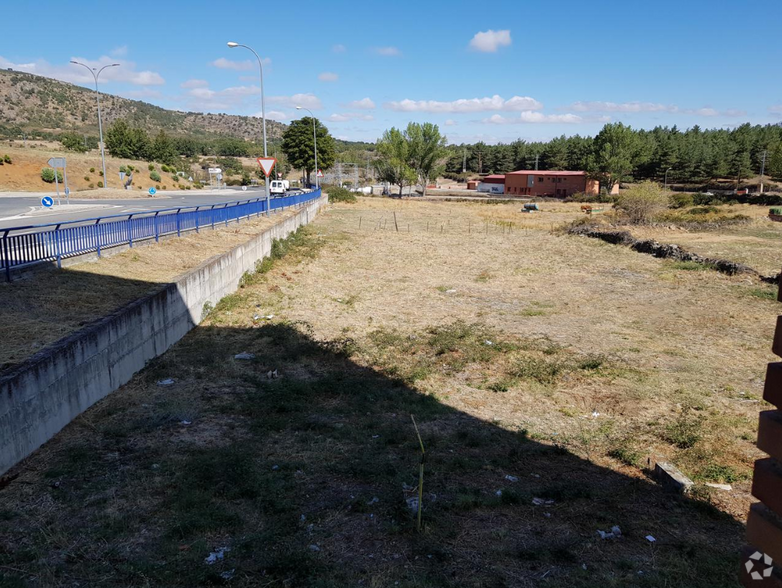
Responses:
[620,153]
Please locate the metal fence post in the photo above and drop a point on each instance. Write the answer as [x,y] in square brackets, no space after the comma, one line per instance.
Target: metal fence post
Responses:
[238,212]
[57,245]
[97,235]
[6,257]
[178,232]
[157,231]
[130,231]
[212,215]
[196,214]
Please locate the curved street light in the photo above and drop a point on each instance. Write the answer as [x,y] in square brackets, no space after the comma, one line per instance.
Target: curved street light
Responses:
[233,45]
[315,142]
[95,76]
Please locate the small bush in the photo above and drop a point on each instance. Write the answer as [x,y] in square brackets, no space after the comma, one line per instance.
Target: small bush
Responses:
[154,176]
[123,169]
[92,170]
[777,211]
[86,178]
[681,200]
[175,179]
[685,431]
[641,203]
[164,168]
[337,194]
[47,175]
[7,159]
[131,168]
[100,184]
[100,173]
[151,167]
[91,186]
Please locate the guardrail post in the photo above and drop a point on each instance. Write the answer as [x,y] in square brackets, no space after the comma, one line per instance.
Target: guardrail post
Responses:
[130,231]
[57,245]
[238,212]
[212,214]
[97,236]
[157,231]
[196,213]
[178,232]
[6,257]
[225,208]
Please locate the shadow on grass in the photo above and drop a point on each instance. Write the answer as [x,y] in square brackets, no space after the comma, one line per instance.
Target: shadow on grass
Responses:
[304,480]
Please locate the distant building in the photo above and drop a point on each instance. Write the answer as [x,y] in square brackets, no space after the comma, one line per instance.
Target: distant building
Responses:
[493,184]
[551,183]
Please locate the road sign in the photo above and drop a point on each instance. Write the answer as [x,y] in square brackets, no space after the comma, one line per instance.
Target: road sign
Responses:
[121,176]
[320,173]
[57,162]
[47,201]
[152,191]
[244,188]
[67,191]
[267,164]
[215,170]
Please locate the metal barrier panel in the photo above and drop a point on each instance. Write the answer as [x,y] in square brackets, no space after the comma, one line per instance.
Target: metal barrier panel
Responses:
[20,246]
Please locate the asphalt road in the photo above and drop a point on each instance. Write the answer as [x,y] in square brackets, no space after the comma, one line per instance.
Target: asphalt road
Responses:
[20,209]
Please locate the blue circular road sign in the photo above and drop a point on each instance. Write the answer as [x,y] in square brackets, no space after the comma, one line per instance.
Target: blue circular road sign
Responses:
[47,201]
[152,191]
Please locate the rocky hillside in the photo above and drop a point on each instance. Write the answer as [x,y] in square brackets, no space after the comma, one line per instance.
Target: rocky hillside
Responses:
[37,104]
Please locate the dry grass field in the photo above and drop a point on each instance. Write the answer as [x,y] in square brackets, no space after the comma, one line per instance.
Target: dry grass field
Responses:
[543,369]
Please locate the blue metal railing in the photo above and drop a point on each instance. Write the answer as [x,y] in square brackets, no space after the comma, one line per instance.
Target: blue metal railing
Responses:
[22,246]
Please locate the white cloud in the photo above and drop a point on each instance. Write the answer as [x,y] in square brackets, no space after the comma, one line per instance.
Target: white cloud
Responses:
[339,48]
[141,94]
[306,100]
[489,41]
[119,51]
[76,74]
[775,109]
[517,103]
[450,123]
[388,51]
[328,76]
[635,106]
[245,65]
[530,117]
[273,115]
[363,104]
[347,116]
[193,83]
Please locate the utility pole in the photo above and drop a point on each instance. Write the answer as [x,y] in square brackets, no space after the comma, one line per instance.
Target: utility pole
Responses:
[536,162]
[762,169]
[464,162]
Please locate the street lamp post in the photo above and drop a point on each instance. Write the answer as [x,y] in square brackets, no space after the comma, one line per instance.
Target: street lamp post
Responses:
[100,123]
[314,141]
[232,45]
[665,185]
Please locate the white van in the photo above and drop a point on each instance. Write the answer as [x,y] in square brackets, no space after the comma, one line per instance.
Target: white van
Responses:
[279,186]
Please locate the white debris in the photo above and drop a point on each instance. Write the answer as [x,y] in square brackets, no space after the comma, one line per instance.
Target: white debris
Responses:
[228,575]
[186,423]
[595,414]
[314,547]
[487,342]
[498,492]
[272,374]
[166,382]
[650,539]
[511,478]
[275,468]
[541,501]
[375,500]
[217,555]
[547,515]
[583,567]
[244,356]
[375,436]
[269,317]
[726,487]
[450,291]
[614,533]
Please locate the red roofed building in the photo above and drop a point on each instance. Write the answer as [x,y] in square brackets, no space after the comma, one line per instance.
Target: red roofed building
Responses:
[494,184]
[551,183]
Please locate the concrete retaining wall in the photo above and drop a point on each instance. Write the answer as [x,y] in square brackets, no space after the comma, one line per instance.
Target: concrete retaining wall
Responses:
[43,394]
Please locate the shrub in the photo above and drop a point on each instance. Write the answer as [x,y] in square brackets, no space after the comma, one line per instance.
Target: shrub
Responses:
[165,187]
[100,184]
[92,170]
[157,187]
[641,203]
[100,173]
[91,186]
[131,168]
[151,167]
[174,179]
[86,178]
[154,176]
[164,168]
[681,200]
[47,175]
[123,169]
[777,211]
[7,159]
[337,194]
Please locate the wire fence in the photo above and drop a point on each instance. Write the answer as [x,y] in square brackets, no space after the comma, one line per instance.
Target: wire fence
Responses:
[24,246]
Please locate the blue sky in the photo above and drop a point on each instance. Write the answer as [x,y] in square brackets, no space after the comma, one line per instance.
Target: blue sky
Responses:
[492,71]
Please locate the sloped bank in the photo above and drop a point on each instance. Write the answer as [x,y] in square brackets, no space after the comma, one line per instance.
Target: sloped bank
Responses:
[668,251]
[47,391]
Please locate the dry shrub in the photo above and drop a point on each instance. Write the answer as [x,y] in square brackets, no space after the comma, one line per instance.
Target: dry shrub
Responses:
[642,202]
